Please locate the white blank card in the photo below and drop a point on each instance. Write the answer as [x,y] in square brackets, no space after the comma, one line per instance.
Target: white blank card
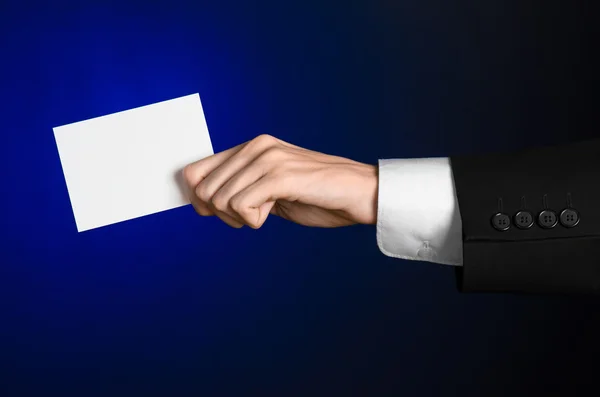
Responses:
[128,164]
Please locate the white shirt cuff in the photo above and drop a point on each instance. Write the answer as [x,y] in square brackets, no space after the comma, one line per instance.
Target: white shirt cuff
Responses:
[418,216]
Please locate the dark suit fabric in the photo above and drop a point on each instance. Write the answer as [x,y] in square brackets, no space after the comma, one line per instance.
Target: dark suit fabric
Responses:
[559,260]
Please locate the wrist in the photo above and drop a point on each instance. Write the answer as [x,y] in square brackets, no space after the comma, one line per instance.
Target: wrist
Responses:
[367,193]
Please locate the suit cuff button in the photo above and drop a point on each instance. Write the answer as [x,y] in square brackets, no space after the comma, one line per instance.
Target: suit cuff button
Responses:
[523,219]
[501,222]
[569,218]
[547,219]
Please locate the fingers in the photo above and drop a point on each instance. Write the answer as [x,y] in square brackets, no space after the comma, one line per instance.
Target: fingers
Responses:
[206,177]
[200,207]
[240,181]
[203,210]
[195,172]
[255,202]
[238,166]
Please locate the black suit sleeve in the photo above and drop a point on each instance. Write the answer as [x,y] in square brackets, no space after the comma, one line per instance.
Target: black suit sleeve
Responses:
[548,200]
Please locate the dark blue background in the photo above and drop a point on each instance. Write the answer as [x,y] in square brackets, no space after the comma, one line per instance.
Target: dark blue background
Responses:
[174,304]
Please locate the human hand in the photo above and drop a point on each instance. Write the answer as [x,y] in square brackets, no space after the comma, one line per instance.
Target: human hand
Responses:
[246,183]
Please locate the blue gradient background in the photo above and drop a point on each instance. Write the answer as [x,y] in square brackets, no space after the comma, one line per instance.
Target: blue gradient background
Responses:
[174,304]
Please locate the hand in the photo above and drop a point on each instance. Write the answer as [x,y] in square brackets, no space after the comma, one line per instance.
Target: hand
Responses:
[244,184]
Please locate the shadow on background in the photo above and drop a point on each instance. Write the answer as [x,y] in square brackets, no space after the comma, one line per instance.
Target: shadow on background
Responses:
[173,304]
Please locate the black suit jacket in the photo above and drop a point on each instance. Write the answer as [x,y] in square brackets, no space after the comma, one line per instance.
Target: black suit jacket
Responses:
[501,194]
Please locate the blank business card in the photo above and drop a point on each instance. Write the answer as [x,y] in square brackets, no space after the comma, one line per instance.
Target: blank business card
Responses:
[128,164]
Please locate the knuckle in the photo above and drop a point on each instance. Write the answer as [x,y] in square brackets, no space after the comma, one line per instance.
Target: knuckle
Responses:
[189,174]
[204,193]
[237,204]
[260,143]
[273,154]
[201,210]
[220,203]
[265,139]
[240,206]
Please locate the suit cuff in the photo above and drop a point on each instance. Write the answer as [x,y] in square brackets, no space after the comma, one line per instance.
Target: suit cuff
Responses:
[418,215]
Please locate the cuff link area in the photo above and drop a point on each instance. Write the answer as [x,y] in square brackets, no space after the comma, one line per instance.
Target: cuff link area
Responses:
[426,253]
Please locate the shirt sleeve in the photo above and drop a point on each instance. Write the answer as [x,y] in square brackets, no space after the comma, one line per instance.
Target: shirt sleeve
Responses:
[418,214]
